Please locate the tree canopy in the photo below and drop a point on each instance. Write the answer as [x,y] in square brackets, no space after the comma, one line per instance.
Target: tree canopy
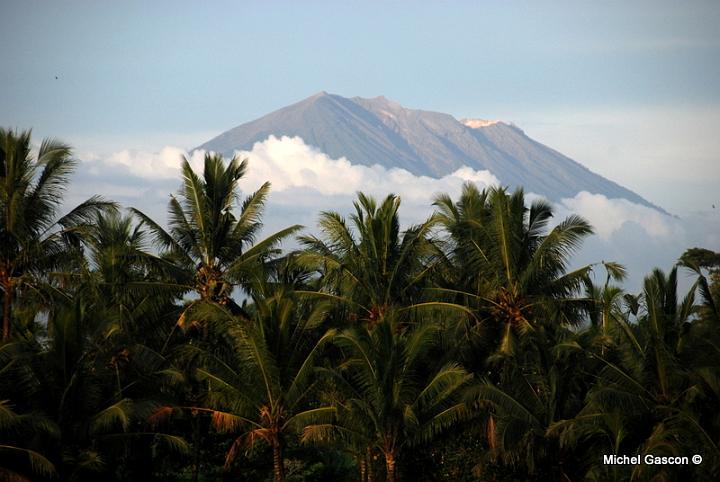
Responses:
[461,348]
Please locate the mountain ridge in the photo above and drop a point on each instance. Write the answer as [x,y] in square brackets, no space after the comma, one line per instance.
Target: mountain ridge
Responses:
[381,131]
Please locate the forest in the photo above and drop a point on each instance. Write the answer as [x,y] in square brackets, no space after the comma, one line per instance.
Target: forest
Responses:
[201,348]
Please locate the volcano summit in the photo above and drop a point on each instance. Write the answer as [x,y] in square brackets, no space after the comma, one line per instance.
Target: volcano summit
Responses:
[380,131]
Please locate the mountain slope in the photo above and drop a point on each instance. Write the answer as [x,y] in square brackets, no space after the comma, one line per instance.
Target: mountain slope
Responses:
[380,131]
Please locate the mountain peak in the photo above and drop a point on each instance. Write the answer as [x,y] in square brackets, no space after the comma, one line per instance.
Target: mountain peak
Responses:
[478,123]
[379,101]
[378,130]
[317,95]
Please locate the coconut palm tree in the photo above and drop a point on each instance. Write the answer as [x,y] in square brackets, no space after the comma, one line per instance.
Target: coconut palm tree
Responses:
[608,307]
[393,396]
[75,387]
[259,386]
[212,245]
[18,458]
[697,260]
[370,263]
[126,278]
[654,389]
[544,384]
[504,263]
[33,239]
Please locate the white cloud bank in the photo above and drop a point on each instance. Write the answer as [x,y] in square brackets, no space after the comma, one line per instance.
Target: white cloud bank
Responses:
[150,165]
[609,215]
[289,163]
[305,181]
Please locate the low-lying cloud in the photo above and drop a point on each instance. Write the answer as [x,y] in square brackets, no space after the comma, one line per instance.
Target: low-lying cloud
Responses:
[164,164]
[609,215]
[290,163]
[305,181]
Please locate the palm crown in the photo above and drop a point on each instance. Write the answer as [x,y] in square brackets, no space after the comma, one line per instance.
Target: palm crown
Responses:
[209,245]
[373,266]
[502,261]
[33,239]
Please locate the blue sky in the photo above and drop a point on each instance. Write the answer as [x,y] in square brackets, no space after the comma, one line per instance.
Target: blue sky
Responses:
[128,67]
[630,89]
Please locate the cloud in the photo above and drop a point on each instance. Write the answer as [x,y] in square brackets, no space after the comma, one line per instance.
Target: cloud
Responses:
[152,165]
[305,181]
[609,215]
[290,163]
[301,176]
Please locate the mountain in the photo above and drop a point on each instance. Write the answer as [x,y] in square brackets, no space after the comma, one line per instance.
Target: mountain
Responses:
[380,131]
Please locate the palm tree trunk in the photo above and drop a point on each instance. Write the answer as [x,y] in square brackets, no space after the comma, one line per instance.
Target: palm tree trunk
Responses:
[605,328]
[278,468]
[369,464]
[389,467]
[363,469]
[7,301]
[196,449]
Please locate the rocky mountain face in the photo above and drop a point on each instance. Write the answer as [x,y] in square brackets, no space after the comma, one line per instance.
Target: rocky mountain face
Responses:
[380,131]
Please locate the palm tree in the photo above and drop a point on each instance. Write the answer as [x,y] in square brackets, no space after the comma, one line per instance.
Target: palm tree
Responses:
[17,455]
[76,388]
[209,245]
[210,248]
[260,385]
[653,389]
[117,249]
[393,397]
[697,259]
[544,384]
[373,267]
[503,263]
[33,240]
[126,279]
[606,305]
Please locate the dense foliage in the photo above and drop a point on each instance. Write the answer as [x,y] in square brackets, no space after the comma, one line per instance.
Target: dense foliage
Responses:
[458,349]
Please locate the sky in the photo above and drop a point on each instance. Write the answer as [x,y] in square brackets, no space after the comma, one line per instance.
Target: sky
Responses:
[629,89]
